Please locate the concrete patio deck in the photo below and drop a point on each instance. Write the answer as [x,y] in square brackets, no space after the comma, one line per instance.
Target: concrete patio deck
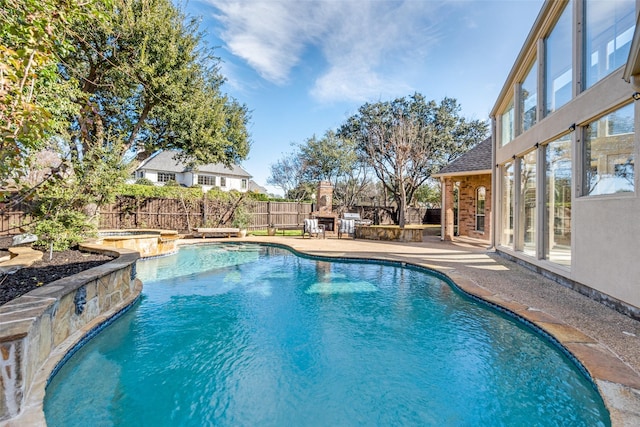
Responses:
[605,341]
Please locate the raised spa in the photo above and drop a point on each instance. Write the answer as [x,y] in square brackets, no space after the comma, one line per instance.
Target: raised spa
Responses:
[231,335]
[149,243]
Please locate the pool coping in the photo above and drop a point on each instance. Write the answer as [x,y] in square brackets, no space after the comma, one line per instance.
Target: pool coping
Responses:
[617,382]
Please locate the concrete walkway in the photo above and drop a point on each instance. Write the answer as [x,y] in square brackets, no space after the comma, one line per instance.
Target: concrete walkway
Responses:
[605,341]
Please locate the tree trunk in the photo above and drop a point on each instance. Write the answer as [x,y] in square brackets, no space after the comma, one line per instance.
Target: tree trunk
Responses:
[402,207]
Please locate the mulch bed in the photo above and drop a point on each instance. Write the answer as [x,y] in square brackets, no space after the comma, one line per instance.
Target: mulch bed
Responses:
[62,264]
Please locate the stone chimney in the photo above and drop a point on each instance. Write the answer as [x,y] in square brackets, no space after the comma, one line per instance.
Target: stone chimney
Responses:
[324,197]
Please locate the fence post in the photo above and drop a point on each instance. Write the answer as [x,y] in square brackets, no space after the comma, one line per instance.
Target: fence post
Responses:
[203,205]
[269,222]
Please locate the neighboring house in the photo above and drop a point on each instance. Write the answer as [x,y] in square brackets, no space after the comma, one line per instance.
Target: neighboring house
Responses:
[565,197]
[256,188]
[466,194]
[164,167]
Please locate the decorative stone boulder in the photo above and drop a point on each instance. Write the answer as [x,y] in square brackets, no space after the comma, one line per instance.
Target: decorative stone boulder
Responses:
[21,239]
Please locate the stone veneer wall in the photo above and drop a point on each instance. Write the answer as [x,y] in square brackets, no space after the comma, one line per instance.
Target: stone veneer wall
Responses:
[38,328]
[389,233]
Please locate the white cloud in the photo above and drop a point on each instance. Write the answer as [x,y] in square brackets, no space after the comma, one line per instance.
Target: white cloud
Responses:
[363,43]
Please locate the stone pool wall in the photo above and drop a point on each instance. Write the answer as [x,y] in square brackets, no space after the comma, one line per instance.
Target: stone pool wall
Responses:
[38,328]
[389,233]
[147,242]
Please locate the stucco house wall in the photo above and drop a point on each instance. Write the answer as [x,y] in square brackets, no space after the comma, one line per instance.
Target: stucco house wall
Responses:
[603,234]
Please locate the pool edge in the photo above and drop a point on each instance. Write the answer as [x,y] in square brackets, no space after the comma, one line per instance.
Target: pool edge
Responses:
[112,286]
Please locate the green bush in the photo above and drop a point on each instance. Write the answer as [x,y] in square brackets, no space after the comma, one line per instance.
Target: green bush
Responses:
[171,183]
[168,192]
[241,217]
[65,229]
[144,181]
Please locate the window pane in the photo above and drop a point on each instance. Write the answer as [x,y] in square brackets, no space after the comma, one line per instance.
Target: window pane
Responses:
[206,180]
[528,220]
[609,30]
[508,132]
[609,148]
[481,194]
[507,204]
[558,201]
[559,70]
[529,98]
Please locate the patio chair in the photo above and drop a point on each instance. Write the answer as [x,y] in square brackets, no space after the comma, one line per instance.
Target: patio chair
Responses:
[312,227]
[348,227]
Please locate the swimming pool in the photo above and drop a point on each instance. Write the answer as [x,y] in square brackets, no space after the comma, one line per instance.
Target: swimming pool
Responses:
[256,335]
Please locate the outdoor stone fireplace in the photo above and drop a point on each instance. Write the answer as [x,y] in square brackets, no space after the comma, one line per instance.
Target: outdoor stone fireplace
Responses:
[323,210]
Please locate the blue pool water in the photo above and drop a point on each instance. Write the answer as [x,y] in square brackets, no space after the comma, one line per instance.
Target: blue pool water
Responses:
[248,335]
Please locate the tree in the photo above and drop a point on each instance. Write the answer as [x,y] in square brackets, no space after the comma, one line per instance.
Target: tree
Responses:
[102,80]
[286,174]
[31,95]
[408,139]
[335,159]
[147,81]
[329,158]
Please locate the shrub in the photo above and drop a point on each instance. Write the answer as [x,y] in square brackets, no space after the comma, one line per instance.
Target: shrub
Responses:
[65,229]
[241,217]
[144,181]
[168,192]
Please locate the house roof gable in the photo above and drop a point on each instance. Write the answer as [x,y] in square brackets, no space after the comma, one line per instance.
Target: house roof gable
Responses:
[475,160]
[168,161]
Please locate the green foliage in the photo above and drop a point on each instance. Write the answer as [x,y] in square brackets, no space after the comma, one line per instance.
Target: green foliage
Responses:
[428,194]
[406,140]
[64,206]
[241,217]
[144,181]
[168,192]
[32,36]
[171,183]
[62,228]
[147,79]
[260,197]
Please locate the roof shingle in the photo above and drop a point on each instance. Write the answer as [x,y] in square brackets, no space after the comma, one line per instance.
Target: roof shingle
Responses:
[476,159]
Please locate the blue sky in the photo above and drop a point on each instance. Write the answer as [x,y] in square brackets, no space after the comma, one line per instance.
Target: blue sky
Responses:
[303,66]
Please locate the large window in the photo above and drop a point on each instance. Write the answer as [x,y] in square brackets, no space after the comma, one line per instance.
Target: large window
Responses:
[166,177]
[609,153]
[558,60]
[508,189]
[529,98]
[243,184]
[558,201]
[223,181]
[481,196]
[508,130]
[207,180]
[528,217]
[608,34]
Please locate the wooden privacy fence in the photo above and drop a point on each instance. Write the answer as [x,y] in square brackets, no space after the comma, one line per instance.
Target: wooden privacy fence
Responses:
[184,215]
[12,219]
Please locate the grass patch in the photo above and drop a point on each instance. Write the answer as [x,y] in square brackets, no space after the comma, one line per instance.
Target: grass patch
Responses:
[278,233]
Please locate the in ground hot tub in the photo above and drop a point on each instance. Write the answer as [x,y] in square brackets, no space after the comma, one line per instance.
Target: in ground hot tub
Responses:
[147,242]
